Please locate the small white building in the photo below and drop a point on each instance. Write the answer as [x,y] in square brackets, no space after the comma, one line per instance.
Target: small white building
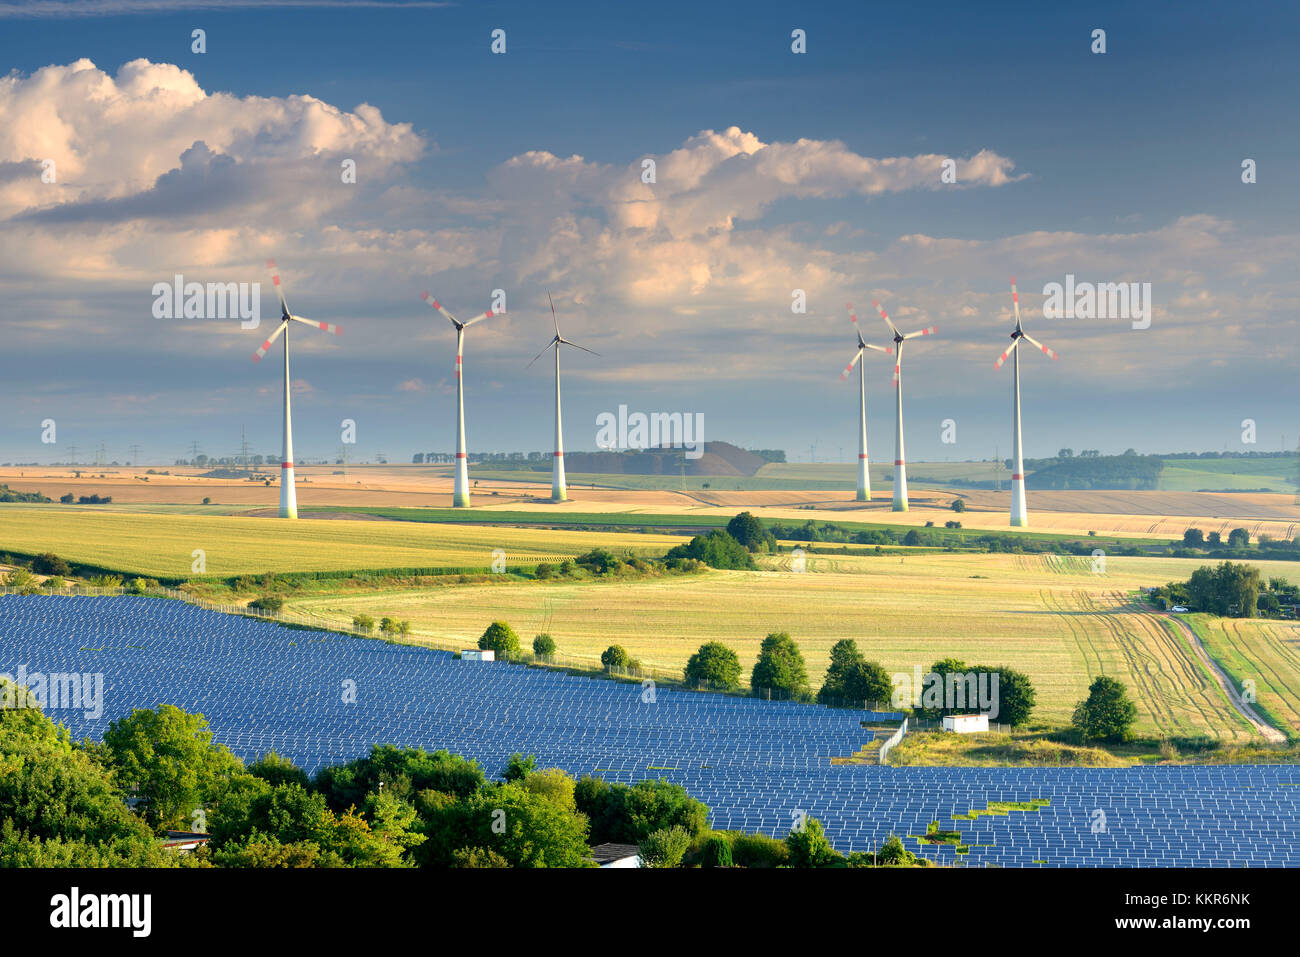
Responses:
[478,654]
[616,855]
[966,723]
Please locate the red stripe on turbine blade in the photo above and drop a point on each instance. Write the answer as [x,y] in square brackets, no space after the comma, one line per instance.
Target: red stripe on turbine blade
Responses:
[425,295]
[489,314]
[1015,296]
[276,279]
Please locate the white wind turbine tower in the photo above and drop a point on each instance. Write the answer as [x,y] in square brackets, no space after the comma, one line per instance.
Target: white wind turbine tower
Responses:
[460,494]
[864,479]
[288,498]
[558,490]
[900,459]
[1019,513]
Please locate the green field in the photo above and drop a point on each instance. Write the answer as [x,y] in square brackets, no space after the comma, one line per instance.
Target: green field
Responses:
[1193,475]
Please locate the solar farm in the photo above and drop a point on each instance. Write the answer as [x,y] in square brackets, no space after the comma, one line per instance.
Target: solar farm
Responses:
[322,698]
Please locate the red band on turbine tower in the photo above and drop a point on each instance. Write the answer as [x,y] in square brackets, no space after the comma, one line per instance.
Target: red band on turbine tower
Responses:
[559,455]
[460,455]
[1018,477]
[899,462]
[862,455]
[286,465]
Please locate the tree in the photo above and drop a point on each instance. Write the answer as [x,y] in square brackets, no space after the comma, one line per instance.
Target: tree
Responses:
[894,853]
[851,677]
[500,638]
[780,667]
[715,664]
[959,505]
[543,646]
[169,759]
[363,623]
[1237,538]
[1194,538]
[526,829]
[1214,540]
[626,814]
[1107,714]
[749,531]
[665,847]
[716,549]
[1065,454]
[913,537]
[615,656]
[47,563]
[519,767]
[809,847]
[276,770]
[1016,697]
[271,603]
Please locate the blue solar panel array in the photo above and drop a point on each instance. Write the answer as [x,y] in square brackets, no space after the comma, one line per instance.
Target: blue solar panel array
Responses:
[320,698]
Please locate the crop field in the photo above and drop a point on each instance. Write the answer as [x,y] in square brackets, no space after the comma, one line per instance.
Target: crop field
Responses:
[1266,652]
[1048,616]
[163,545]
[1189,475]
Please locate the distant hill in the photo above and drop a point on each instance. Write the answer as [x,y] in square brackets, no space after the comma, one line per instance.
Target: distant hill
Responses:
[719,458]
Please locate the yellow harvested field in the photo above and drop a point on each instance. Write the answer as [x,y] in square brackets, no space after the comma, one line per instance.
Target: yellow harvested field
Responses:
[164,545]
[1048,616]
[1266,653]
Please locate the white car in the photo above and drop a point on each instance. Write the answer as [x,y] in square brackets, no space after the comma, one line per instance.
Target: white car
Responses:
[1178,609]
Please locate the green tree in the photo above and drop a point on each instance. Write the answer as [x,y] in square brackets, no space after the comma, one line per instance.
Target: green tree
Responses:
[665,847]
[526,829]
[276,770]
[543,646]
[1237,538]
[809,847]
[500,638]
[1194,538]
[271,603]
[168,758]
[780,667]
[716,549]
[913,537]
[959,505]
[519,767]
[893,853]
[47,563]
[625,814]
[1016,696]
[715,664]
[363,623]
[1107,714]
[615,657]
[851,678]
[749,531]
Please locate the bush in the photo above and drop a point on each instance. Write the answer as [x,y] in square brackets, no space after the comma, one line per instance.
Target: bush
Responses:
[501,638]
[715,664]
[615,656]
[809,847]
[363,623]
[758,850]
[47,563]
[543,645]
[717,852]
[271,603]
[894,853]
[67,499]
[664,848]
[600,560]
[545,570]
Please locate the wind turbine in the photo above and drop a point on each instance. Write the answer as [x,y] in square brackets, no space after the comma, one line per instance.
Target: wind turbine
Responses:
[288,497]
[558,490]
[1019,513]
[460,493]
[864,479]
[900,460]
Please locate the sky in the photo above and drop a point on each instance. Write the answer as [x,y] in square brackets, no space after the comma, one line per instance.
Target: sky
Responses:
[127,158]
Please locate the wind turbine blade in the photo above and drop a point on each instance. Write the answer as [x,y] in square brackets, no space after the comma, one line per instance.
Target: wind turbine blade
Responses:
[893,328]
[327,326]
[553,319]
[1006,355]
[922,332]
[885,349]
[576,346]
[435,304]
[1015,300]
[279,290]
[1048,352]
[542,353]
[487,315]
[265,346]
[849,368]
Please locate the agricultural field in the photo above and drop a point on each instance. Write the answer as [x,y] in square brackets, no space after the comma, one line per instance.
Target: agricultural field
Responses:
[1048,616]
[1191,475]
[162,545]
[1264,651]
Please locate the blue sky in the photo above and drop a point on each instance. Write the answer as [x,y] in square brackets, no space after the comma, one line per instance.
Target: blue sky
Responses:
[520,172]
